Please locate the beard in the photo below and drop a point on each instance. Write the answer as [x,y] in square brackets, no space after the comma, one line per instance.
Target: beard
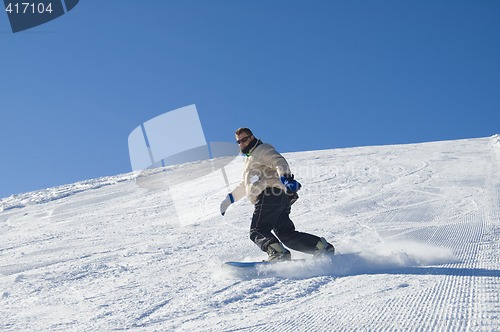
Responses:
[249,147]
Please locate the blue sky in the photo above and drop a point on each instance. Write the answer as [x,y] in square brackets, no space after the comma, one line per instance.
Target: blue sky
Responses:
[304,75]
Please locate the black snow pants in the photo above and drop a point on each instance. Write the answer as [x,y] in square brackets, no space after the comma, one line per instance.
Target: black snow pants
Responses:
[271,214]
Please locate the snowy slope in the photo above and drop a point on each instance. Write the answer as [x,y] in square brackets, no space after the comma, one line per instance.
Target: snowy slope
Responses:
[416,226]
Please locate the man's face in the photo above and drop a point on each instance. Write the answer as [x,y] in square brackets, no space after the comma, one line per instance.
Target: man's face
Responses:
[243,140]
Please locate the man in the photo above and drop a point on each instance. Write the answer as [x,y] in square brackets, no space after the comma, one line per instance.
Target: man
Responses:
[269,185]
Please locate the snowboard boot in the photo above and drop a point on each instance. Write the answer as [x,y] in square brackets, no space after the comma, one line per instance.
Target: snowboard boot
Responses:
[278,253]
[324,249]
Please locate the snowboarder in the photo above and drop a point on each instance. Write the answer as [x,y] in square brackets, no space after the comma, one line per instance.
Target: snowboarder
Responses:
[270,186]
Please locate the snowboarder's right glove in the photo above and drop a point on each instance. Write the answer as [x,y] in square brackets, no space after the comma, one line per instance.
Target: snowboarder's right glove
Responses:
[225,203]
[291,185]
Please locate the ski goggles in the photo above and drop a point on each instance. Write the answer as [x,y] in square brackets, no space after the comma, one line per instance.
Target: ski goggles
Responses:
[243,140]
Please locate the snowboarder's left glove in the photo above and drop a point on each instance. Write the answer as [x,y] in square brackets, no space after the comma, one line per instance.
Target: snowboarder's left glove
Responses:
[291,185]
[225,203]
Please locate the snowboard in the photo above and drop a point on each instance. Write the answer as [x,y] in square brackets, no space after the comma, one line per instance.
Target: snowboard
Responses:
[296,268]
[259,263]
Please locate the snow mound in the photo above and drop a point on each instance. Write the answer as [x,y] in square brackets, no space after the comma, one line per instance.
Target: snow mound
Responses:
[56,193]
[495,140]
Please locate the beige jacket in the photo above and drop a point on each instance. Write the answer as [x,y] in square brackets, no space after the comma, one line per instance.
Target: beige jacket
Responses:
[263,169]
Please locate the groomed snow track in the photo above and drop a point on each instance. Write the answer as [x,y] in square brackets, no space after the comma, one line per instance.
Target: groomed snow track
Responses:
[417,228]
